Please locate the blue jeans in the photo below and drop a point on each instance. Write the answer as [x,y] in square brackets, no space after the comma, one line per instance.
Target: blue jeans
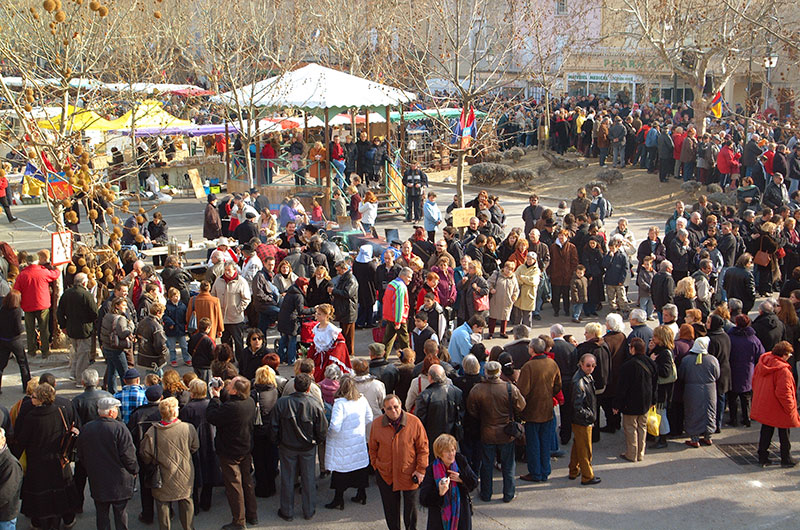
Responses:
[507,465]
[539,301]
[722,398]
[646,303]
[8,525]
[688,171]
[539,437]
[618,155]
[339,165]
[172,342]
[472,449]
[117,365]
[660,315]
[576,310]
[287,348]
[722,293]
[365,316]
[267,318]
[748,170]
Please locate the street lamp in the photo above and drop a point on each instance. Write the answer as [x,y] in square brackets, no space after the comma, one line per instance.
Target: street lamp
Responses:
[770,62]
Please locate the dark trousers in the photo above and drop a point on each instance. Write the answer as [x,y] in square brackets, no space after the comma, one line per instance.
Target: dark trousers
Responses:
[734,399]
[239,488]
[265,462]
[201,497]
[120,515]
[765,440]
[16,347]
[6,207]
[665,167]
[234,335]
[293,462]
[560,292]
[366,315]
[507,465]
[612,420]
[146,494]
[432,236]
[391,505]
[565,410]
[538,439]
[652,157]
[80,482]
[413,207]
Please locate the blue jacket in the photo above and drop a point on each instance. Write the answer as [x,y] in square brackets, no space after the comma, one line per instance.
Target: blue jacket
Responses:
[671,223]
[651,140]
[616,266]
[175,319]
[431,215]
[460,344]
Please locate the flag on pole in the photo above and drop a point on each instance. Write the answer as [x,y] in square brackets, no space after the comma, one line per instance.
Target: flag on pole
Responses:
[57,185]
[716,105]
[466,127]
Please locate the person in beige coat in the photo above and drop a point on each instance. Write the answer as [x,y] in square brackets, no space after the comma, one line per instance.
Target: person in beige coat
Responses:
[234,296]
[503,292]
[170,445]
[528,275]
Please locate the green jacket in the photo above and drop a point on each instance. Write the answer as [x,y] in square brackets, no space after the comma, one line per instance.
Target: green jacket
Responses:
[77,312]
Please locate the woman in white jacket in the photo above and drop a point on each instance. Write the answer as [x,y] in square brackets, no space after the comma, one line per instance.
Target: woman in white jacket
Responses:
[369,211]
[346,444]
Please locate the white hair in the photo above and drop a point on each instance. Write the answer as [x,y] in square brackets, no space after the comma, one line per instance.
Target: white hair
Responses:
[89,377]
[556,330]
[680,221]
[614,322]
[470,365]
[80,279]
[672,309]
[639,315]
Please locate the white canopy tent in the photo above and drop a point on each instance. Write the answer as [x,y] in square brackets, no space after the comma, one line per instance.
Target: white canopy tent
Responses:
[314,88]
[344,119]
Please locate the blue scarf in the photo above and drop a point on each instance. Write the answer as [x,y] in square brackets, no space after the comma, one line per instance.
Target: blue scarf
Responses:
[451,501]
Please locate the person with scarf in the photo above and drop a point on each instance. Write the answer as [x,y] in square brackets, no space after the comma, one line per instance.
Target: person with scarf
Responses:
[329,345]
[396,304]
[699,372]
[446,486]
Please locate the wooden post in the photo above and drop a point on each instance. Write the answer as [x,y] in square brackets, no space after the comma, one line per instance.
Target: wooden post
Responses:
[327,144]
[353,130]
[305,127]
[227,153]
[387,113]
[366,125]
[259,171]
[401,129]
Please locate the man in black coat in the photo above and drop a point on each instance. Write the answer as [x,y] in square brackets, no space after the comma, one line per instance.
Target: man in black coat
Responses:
[564,356]
[768,327]
[85,405]
[380,368]
[77,314]
[440,407]
[518,349]
[246,230]
[638,380]
[678,252]
[344,289]
[233,419]
[141,419]
[174,276]
[739,282]
[662,288]
[105,447]
[10,484]
[292,307]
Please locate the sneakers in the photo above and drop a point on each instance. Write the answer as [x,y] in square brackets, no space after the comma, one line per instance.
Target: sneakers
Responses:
[174,364]
[188,363]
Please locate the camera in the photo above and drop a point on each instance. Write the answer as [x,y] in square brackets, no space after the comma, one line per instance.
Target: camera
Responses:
[216,382]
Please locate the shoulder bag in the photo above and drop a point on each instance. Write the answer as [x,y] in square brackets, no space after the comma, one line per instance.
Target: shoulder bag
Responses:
[192,327]
[480,303]
[762,258]
[673,376]
[152,475]
[513,428]
[68,445]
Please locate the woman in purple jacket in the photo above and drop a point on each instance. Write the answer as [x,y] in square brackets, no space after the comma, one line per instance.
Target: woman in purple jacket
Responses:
[745,351]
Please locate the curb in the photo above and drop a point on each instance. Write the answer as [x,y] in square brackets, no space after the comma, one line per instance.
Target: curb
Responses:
[524,195]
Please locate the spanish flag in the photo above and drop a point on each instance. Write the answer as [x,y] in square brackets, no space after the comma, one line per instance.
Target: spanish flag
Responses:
[716,105]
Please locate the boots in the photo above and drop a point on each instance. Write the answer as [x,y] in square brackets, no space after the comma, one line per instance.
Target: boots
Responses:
[337,502]
[361,496]
[661,443]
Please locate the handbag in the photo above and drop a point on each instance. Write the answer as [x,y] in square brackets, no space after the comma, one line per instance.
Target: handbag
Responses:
[653,421]
[673,376]
[513,428]
[762,258]
[379,332]
[69,440]
[480,303]
[152,477]
[192,326]
[258,421]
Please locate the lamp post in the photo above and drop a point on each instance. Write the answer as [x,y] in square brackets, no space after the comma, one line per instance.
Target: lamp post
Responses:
[770,62]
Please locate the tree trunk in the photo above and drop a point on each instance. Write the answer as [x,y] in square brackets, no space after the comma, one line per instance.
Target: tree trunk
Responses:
[460,175]
[701,109]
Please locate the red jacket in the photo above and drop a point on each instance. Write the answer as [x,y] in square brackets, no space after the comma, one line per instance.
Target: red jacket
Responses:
[33,283]
[677,141]
[3,186]
[767,163]
[727,161]
[774,401]
[268,154]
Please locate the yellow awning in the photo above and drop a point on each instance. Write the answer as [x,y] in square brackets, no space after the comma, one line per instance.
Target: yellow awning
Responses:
[78,119]
[148,114]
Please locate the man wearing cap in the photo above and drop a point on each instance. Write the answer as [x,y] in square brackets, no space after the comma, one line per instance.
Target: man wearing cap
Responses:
[212,224]
[495,402]
[132,393]
[246,230]
[381,368]
[105,447]
[140,421]
[260,203]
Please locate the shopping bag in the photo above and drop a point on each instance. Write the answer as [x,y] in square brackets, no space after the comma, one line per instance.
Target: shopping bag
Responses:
[653,421]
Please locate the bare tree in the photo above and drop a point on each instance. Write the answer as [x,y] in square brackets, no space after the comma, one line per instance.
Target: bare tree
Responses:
[703,43]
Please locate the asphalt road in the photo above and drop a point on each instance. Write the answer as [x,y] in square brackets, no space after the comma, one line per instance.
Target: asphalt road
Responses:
[674,488]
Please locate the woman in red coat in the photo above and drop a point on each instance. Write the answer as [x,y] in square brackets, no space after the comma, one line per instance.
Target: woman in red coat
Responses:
[774,402]
[727,163]
[5,200]
[329,346]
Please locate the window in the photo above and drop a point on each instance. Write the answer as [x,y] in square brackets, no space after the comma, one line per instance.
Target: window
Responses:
[561,7]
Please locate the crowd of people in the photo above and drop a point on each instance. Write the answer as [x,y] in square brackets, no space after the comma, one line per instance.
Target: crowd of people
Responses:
[431,413]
